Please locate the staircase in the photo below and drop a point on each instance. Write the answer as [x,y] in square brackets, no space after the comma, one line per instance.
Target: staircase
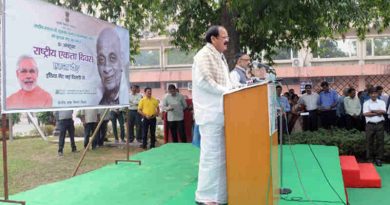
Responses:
[359,175]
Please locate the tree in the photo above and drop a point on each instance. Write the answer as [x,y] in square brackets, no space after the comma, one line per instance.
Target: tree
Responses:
[46,118]
[253,25]
[15,117]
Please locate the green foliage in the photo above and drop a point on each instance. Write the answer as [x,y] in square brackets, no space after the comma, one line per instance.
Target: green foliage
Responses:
[381,46]
[134,15]
[147,58]
[46,117]
[329,49]
[177,57]
[15,117]
[48,129]
[253,25]
[79,131]
[351,142]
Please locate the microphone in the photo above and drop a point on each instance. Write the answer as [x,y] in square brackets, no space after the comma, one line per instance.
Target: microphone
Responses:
[268,69]
[260,65]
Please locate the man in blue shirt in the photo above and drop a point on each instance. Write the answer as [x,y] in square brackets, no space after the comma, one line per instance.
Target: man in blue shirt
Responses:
[327,105]
[365,96]
[284,107]
[340,110]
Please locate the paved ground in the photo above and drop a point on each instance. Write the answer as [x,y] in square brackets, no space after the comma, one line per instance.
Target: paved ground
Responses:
[23,128]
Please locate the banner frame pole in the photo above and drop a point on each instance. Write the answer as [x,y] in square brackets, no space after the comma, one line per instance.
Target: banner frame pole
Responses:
[90,142]
[5,161]
[127,142]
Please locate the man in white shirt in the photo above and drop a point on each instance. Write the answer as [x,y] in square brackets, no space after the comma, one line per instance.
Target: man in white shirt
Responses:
[210,79]
[373,110]
[134,118]
[238,74]
[383,96]
[352,109]
[174,104]
[309,101]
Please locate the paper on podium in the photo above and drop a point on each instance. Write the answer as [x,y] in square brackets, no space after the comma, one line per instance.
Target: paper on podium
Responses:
[244,87]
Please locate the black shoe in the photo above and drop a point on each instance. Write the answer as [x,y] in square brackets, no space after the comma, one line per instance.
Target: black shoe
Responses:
[142,146]
[378,163]
[60,154]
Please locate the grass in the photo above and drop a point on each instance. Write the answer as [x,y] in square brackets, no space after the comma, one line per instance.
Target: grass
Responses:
[33,162]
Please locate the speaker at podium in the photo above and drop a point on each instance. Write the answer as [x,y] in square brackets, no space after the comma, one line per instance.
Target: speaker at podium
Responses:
[252,171]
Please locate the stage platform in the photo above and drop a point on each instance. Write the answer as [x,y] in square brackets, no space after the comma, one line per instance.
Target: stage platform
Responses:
[313,179]
[168,176]
[368,196]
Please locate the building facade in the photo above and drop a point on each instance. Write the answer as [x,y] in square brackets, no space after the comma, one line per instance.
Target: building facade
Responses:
[348,62]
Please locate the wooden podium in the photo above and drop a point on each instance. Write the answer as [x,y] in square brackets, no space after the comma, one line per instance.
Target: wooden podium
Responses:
[251,146]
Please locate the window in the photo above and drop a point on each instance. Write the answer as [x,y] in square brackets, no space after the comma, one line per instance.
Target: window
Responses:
[178,57]
[378,46]
[150,57]
[290,81]
[180,84]
[346,48]
[148,84]
[285,54]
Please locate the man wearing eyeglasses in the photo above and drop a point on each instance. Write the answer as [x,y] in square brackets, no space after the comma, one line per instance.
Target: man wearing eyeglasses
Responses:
[30,95]
[238,74]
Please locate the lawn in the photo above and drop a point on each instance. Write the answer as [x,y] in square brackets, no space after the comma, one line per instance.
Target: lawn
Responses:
[33,162]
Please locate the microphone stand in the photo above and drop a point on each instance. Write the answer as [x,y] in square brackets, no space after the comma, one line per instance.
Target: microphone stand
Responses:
[282,190]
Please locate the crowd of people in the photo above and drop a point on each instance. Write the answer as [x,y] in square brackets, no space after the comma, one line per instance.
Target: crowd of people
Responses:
[327,109]
[365,110]
[141,120]
[211,78]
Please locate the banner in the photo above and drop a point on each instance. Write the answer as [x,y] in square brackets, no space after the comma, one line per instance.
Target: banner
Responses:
[57,59]
[272,108]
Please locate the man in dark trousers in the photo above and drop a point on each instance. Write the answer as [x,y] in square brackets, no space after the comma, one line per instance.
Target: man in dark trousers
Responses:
[117,116]
[174,103]
[309,102]
[327,105]
[134,118]
[373,110]
[66,124]
[148,108]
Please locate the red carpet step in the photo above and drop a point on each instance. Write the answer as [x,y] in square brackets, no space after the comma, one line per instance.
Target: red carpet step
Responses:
[369,177]
[350,170]
[359,175]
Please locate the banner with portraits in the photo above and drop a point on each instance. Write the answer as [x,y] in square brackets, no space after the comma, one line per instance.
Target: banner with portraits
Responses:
[57,59]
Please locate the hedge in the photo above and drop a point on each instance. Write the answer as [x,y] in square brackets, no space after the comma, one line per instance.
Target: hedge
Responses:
[349,142]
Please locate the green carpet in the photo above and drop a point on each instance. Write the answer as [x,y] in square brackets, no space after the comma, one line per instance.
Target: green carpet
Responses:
[314,182]
[373,195]
[168,176]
